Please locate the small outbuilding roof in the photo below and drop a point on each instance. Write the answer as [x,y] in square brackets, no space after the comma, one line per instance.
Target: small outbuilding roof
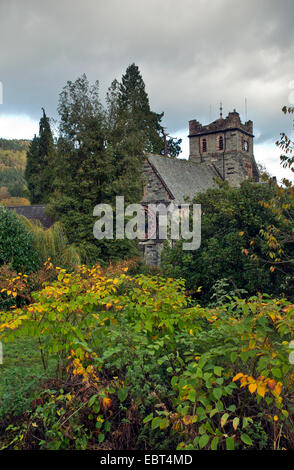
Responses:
[36,212]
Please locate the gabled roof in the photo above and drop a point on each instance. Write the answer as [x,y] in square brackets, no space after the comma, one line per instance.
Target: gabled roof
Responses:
[183,178]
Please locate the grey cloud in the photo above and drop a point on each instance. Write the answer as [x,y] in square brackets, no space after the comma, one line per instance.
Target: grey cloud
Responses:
[191,54]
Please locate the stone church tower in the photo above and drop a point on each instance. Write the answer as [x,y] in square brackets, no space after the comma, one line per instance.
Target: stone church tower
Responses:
[226,145]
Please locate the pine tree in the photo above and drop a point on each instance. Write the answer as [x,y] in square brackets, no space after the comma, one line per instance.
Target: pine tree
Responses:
[131,121]
[40,161]
[134,112]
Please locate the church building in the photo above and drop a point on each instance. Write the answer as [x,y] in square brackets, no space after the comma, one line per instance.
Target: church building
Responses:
[222,150]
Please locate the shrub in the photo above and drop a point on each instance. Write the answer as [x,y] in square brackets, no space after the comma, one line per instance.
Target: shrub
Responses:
[231,222]
[4,193]
[139,361]
[17,288]
[52,243]
[16,243]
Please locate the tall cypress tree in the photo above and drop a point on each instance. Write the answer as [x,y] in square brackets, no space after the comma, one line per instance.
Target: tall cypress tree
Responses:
[40,161]
[32,170]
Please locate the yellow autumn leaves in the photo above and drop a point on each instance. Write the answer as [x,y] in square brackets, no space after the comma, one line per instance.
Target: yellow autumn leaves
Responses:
[9,292]
[261,385]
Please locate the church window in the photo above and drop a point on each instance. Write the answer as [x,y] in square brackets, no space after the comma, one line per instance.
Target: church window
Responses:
[245,145]
[220,142]
[204,145]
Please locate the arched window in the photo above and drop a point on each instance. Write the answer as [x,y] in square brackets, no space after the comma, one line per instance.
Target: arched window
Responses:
[220,142]
[204,145]
[246,145]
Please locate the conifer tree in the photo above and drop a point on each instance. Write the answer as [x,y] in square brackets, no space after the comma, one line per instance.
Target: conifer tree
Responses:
[32,170]
[40,161]
[131,121]
[134,111]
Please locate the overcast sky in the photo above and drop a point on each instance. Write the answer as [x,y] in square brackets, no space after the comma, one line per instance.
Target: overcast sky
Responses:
[191,54]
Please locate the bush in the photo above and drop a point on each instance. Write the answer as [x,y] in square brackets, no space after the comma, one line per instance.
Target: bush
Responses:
[4,193]
[231,222]
[140,366]
[52,243]
[16,288]
[16,243]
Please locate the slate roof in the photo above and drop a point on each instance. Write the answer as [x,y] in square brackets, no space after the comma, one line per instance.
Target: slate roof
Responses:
[183,178]
[36,212]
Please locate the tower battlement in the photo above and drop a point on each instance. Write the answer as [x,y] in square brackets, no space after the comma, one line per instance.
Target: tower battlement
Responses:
[232,121]
[227,145]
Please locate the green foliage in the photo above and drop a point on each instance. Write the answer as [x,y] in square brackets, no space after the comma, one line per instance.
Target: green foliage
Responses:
[53,244]
[134,114]
[173,147]
[286,144]
[16,243]
[13,179]
[133,127]
[12,166]
[231,222]
[16,145]
[86,172]
[141,366]
[279,236]
[98,157]
[127,124]
[221,292]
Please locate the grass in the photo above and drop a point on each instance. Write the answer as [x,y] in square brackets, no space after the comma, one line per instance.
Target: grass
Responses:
[20,375]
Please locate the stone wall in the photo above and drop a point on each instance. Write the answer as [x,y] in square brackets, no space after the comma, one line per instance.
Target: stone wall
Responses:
[233,140]
[151,251]
[154,192]
[153,187]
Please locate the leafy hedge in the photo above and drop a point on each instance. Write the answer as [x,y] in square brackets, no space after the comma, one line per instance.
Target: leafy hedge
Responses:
[233,246]
[140,366]
[16,243]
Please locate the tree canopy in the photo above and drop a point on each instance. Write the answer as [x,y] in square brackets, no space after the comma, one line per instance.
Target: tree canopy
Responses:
[86,171]
[232,246]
